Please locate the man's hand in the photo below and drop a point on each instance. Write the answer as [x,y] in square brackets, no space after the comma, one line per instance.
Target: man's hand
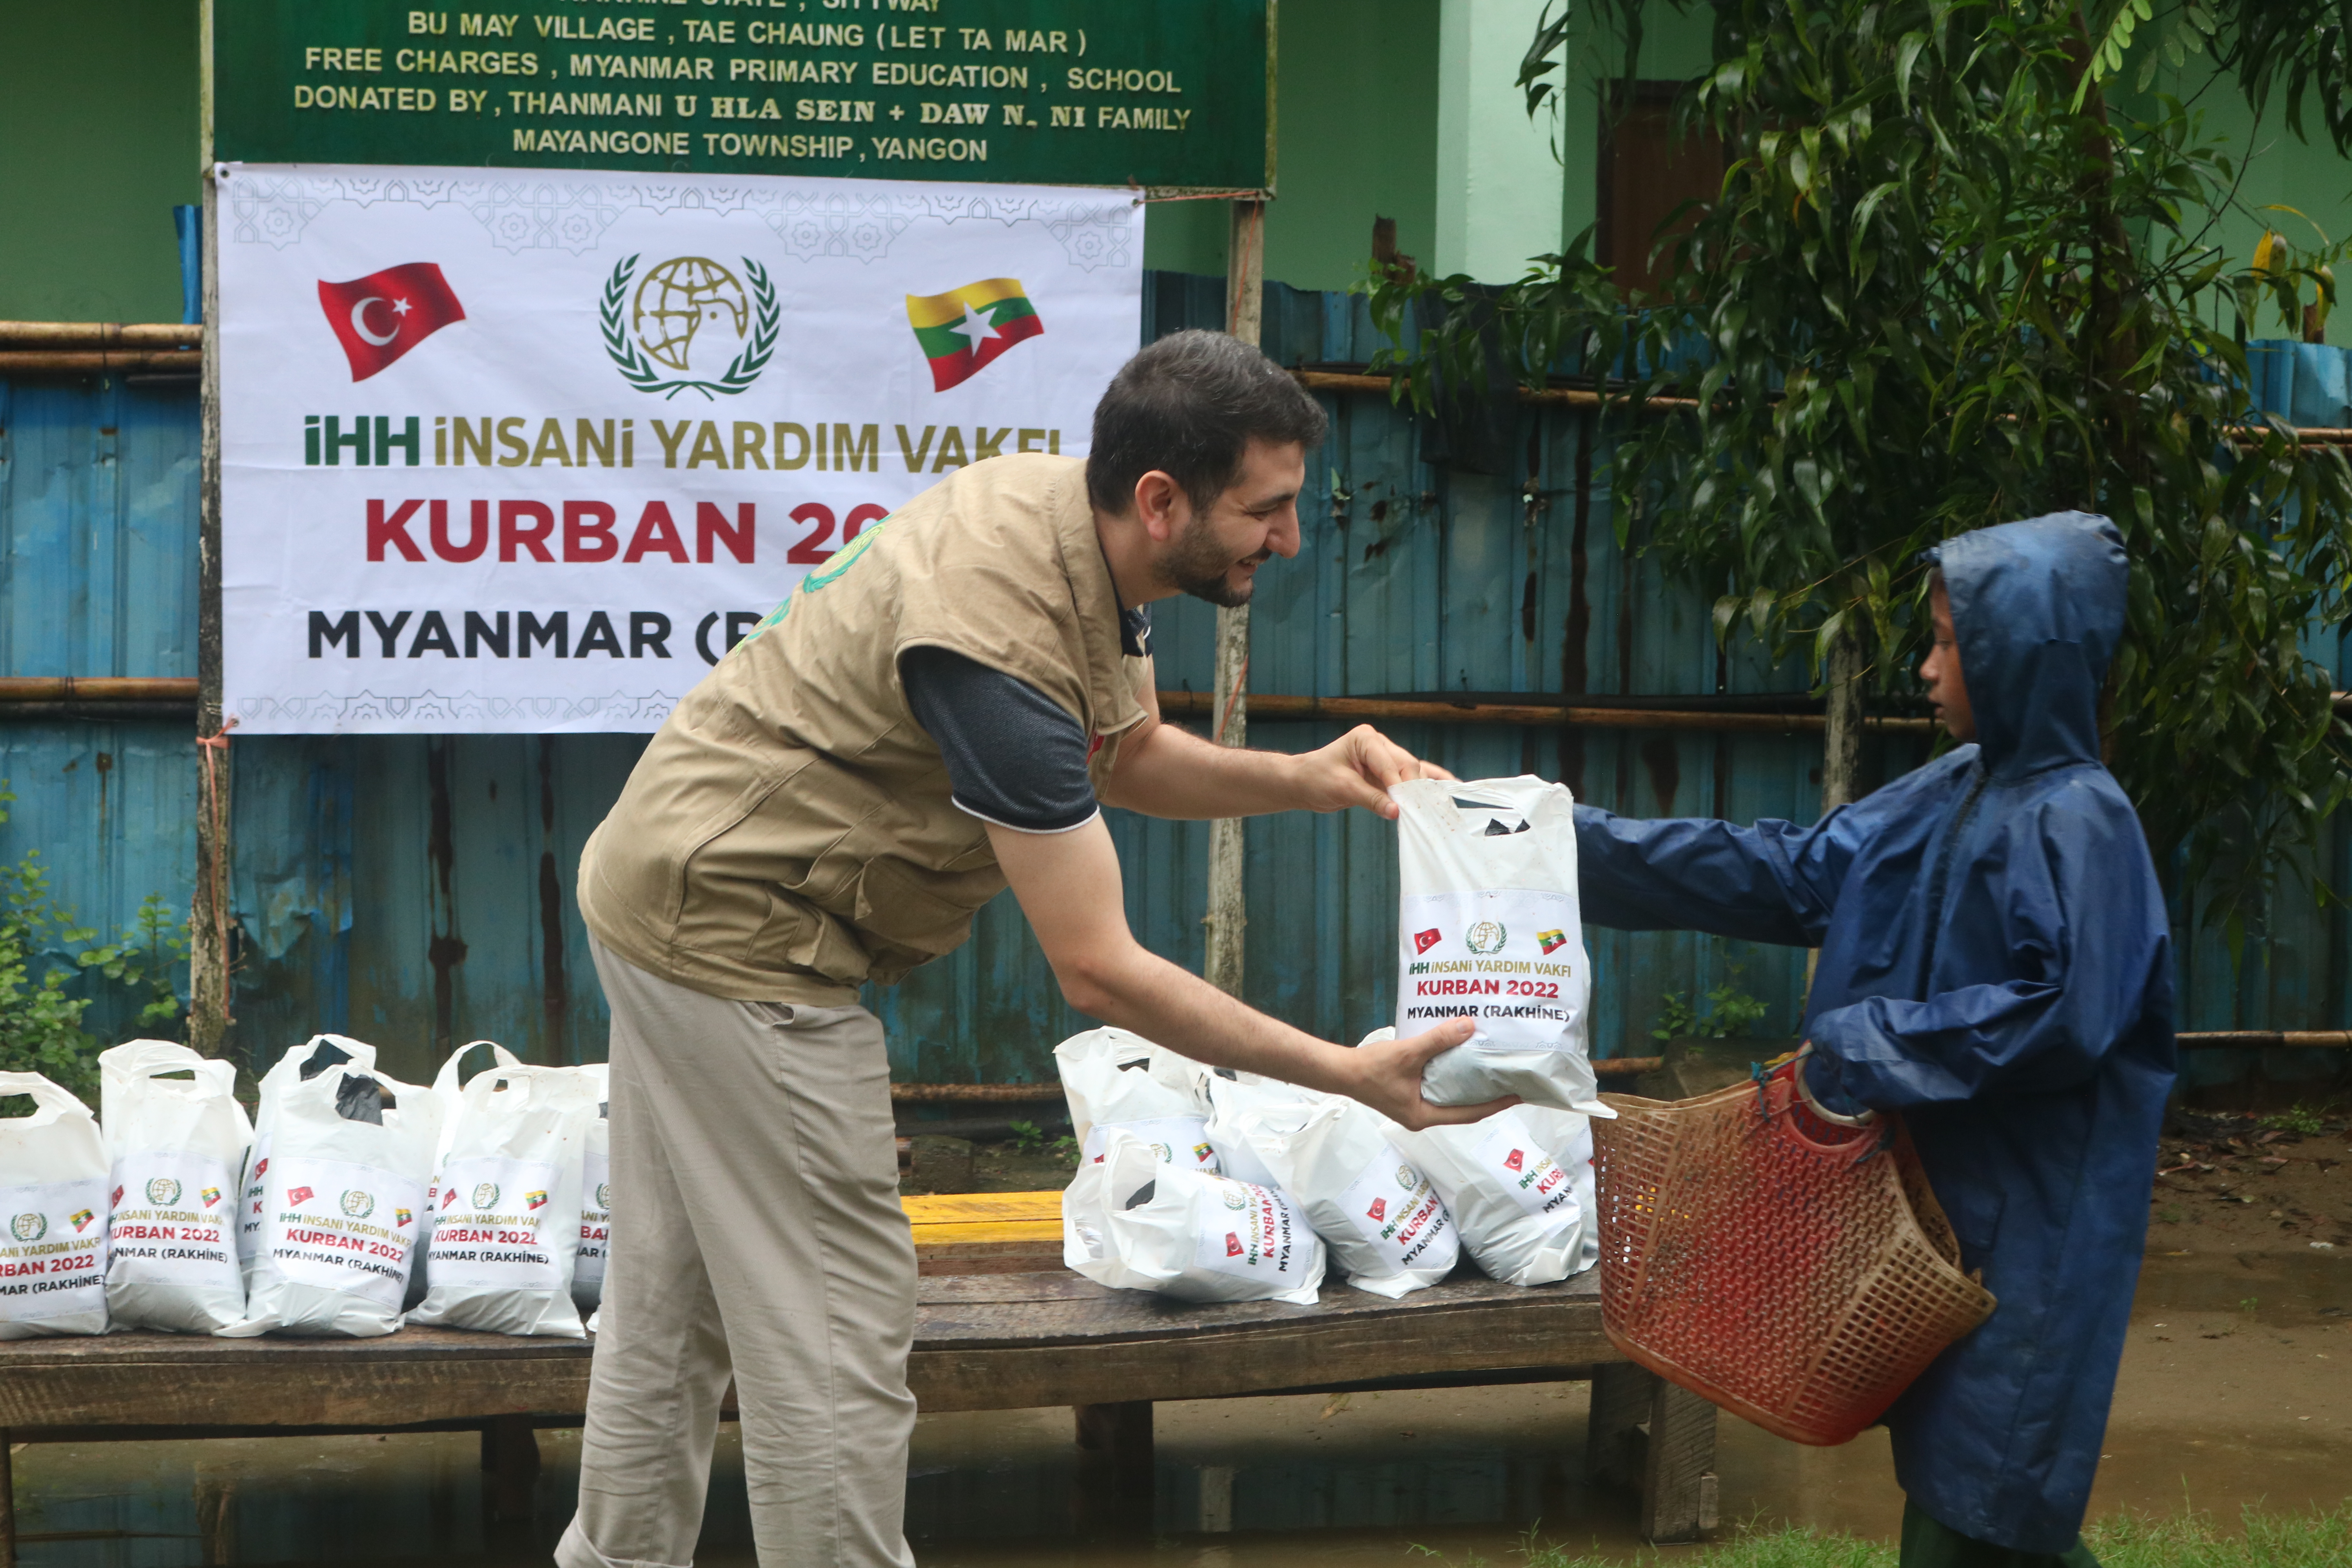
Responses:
[1389,1078]
[1165,770]
[1068,884]
[1356,769]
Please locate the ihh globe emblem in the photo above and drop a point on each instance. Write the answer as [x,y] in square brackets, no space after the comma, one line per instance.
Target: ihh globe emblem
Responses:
[678,299]
[689,324]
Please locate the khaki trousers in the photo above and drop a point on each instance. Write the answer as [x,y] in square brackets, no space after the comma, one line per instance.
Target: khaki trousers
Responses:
[756,1233]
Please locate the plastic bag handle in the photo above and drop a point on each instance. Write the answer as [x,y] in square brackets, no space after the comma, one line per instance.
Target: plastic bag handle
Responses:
[46,1094]
[137,1059]
[444,1082]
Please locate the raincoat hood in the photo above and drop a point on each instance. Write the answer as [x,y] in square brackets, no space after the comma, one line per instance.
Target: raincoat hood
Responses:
[2038,607]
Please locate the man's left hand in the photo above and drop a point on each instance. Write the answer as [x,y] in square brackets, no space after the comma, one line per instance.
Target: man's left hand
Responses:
[1356,769]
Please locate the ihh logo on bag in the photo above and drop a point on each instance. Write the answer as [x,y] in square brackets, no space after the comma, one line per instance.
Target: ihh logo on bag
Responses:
[1487,936]
[29,1227]
[162,1191]
[603,1194]
[485,1194]
[359,1205]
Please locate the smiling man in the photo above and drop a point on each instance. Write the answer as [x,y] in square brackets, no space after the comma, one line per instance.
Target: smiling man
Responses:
[934,715]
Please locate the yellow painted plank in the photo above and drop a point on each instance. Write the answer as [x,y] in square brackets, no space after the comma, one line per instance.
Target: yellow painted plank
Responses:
[984,1207]
[962,1235]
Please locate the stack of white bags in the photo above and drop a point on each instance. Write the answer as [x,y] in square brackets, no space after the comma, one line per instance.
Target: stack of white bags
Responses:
[1216,1186]
[1285,1184]
[350,1203]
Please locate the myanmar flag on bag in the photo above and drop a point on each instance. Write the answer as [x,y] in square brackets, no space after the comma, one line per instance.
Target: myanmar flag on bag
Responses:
[964,328]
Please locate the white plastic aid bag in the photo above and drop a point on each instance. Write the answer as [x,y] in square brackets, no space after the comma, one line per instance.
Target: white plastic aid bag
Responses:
[343,1198]
[174,1148]
[1115,1080]
[595,1197]
[298,1065]
[1489,929]
[1247,1107]
[447,1091]
[1387,1228]
[1519,1186]
[53,1203]
[508,1228]
[1188,1234]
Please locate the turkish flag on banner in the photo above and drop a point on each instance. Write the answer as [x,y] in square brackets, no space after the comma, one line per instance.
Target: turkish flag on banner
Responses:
[381,316]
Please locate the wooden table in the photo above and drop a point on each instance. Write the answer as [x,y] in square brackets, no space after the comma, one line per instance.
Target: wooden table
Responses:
[1014,1338]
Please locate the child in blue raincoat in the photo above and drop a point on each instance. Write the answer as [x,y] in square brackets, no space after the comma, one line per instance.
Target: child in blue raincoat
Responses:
[1996,965]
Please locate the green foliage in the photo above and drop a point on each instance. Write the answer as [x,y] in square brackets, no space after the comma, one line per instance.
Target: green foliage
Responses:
[1028,1138]
[1729,1014]
[2304,1119]
[2293,47]
[1934,295]
[41,1007]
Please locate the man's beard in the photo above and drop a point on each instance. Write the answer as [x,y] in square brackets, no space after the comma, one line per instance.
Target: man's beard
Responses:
[1198,565]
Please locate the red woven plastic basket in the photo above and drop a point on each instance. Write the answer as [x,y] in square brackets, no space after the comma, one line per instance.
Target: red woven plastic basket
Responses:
[1795,1271]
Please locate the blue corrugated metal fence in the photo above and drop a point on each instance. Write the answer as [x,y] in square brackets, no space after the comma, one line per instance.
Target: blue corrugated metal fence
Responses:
[417,891]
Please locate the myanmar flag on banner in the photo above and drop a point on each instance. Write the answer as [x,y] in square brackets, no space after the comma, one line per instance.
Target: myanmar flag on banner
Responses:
[964,328]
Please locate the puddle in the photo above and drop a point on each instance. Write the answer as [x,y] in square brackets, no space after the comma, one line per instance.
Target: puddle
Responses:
[2220,1403]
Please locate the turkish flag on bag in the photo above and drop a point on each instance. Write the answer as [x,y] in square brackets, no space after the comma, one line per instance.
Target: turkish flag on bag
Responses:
[381,316]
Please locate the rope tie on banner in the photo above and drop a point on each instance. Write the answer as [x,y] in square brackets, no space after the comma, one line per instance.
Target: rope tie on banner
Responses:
[213,750]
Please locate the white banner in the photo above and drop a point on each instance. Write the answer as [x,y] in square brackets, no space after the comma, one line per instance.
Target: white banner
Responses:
[526,453]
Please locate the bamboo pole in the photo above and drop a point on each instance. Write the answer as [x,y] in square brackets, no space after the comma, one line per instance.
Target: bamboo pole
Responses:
[79,362]
[208,923]
[97,689]
[1203,705]
[1227,916]
[105,335]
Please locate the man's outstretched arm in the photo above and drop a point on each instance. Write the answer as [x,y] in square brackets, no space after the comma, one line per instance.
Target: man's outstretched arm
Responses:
[1068,884]
[1166,770]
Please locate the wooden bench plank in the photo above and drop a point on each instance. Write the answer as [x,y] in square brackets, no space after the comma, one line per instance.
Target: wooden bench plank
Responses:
[981,1343]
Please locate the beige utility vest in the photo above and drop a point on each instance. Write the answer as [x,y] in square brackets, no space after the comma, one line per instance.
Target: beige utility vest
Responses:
[789,834]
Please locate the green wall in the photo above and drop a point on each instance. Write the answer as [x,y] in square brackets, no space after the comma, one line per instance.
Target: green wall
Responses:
[1356,138]
[97,143]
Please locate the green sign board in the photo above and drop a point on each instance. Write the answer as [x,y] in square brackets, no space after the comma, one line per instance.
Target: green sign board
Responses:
[1165,94]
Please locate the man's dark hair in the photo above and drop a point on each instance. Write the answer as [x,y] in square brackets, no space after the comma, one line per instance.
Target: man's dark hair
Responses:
[1189,406]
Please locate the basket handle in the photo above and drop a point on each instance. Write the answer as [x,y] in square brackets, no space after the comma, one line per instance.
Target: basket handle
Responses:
[1805,1091]
[1793,1107]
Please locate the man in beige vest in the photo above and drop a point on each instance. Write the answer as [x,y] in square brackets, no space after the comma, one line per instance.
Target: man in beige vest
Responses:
[932,716]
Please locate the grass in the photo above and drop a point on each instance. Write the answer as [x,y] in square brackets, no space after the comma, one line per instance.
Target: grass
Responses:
[2320,1538]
